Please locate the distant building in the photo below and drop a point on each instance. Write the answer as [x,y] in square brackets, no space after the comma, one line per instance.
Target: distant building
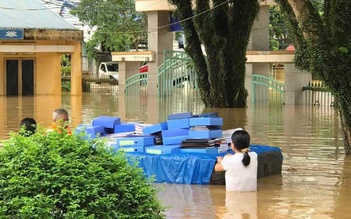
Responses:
[32,39]
[63,8]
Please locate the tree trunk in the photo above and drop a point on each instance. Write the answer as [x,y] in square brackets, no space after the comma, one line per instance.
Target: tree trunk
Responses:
[223,28]
[324,48]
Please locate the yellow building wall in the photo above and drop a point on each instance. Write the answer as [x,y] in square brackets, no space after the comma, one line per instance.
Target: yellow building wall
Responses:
[47,66]
[48,73]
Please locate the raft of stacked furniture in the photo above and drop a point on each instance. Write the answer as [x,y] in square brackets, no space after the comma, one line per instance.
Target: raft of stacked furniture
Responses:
[182,149]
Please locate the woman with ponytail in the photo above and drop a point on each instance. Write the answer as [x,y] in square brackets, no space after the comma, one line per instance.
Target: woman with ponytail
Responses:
[241,167]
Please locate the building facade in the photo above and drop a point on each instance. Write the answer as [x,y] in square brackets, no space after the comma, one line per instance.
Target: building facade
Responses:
[32,40]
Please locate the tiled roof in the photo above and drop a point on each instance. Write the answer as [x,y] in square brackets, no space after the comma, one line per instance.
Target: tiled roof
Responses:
[30,14]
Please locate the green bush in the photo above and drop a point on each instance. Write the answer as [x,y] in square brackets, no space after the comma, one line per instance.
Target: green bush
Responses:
[56,175]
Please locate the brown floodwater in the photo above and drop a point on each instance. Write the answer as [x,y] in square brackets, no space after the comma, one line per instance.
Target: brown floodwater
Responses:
[316,177]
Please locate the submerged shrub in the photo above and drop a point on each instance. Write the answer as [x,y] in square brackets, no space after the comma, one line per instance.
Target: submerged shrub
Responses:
[56,175]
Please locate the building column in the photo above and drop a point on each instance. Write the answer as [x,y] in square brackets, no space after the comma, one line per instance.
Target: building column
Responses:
[259,41]
[159,39]
[126,69]
[76,70]
[76,110]
[294,80]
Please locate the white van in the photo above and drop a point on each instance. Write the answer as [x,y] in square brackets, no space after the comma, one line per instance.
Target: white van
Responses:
[109,70]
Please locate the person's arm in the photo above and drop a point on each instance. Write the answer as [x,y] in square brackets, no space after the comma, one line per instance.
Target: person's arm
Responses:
[218,166]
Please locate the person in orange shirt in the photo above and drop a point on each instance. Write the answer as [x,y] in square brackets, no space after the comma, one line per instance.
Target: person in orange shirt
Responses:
[61,118]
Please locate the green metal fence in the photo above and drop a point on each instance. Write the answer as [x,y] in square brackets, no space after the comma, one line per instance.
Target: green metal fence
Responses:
[267,89]
[176,75]
[136,84]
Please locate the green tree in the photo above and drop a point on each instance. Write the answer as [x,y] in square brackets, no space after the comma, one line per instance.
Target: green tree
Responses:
[118,26]
[321,31]
[65,65]
[223,27]
[58,175]
[278,31]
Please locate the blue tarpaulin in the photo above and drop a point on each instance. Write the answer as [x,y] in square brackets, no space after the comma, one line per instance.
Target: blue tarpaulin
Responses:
[185,168]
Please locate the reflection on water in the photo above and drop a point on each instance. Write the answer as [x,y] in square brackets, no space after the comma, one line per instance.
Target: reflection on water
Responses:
[316,177]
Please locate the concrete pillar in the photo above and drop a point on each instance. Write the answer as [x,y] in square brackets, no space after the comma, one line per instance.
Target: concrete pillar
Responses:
[159,39]
[152,112]
[76,110]
[125,71]
[259,41]
[260,31]
[294,80]
[76,70]
[2,75]
[122,105]
[248,82]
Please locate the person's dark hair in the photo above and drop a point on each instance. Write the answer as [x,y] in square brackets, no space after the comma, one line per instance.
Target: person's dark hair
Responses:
[30,125]
[241,141]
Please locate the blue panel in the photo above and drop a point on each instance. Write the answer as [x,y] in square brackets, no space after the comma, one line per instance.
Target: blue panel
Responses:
[178,123]
[136,148]
[124,127]
[10,34]
[174,140]
[208,150]
[206,121]
[174,132]
[200,134]
[91,131]
[107,121]
[133,141]
[155,128]
[162,149]
[180,116]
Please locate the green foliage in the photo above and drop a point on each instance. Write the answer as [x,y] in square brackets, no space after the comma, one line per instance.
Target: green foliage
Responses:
[278,31]
[65,86]
[118,26]
[65,65]
[343,50]
[57,175]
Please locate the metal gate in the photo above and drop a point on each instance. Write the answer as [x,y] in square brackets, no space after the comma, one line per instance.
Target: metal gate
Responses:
[176,75]
[267,89]
[137,84]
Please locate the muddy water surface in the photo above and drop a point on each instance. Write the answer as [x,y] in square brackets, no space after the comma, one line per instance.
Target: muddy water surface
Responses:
[316,177]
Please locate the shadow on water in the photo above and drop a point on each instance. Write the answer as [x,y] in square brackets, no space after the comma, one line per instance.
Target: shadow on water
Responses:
[315,181]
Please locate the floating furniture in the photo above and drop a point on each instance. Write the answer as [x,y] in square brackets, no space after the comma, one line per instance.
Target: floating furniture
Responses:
[124,127]
[91,130]
[163,149]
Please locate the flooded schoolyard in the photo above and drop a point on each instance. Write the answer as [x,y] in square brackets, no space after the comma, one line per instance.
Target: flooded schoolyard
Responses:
[316,177]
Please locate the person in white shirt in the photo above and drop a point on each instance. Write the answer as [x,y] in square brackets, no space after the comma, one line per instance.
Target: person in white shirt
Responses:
[241,167]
